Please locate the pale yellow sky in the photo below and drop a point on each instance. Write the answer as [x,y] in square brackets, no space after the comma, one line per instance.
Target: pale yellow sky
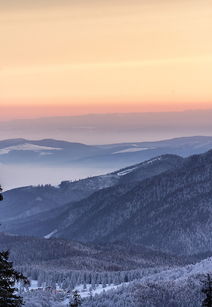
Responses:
[106,53]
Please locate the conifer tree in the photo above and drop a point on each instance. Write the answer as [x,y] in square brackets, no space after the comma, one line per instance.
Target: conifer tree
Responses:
[207,290]
[8,278]
[76,299]
[1,196]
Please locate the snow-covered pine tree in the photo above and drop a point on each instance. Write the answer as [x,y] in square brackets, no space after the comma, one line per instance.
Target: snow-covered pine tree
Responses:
[76,299]
[8,278]
[207,290]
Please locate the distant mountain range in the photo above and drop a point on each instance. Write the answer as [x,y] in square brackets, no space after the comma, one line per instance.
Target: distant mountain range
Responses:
[163,203]
[112,128]
[53,152]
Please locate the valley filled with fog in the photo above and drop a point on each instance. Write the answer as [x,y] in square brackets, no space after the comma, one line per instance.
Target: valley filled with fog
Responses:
[13,176]
[26,162]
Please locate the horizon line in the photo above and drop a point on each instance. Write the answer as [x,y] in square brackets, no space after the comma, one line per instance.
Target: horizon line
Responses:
[106,113]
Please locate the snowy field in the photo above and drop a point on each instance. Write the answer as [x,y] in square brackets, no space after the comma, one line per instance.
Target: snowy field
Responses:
[85,291]
[174,277]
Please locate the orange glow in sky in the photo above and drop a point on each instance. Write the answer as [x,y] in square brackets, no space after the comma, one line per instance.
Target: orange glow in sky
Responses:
[75,57]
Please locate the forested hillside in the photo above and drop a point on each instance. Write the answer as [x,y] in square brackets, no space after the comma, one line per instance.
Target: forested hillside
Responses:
[135,236]
[170,212]
[44,206]
[164,203]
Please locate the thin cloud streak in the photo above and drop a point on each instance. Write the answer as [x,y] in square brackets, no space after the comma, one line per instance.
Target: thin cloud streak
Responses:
[99,65]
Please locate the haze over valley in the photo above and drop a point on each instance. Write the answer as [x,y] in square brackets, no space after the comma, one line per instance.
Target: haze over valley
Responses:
[31,162]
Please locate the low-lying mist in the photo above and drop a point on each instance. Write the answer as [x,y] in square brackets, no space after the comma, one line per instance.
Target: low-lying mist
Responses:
[18,175]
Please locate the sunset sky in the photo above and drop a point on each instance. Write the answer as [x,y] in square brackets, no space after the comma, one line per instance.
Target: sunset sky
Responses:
[66,57]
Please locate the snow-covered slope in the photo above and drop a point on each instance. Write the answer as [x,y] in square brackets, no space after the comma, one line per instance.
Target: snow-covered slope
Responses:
[170,211]
[27,147]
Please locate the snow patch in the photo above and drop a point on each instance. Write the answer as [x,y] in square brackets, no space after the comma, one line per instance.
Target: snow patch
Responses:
[89,291]
[33,285]
[28,147]
[134,149]
[127,171]
[153,160]
[49,235]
